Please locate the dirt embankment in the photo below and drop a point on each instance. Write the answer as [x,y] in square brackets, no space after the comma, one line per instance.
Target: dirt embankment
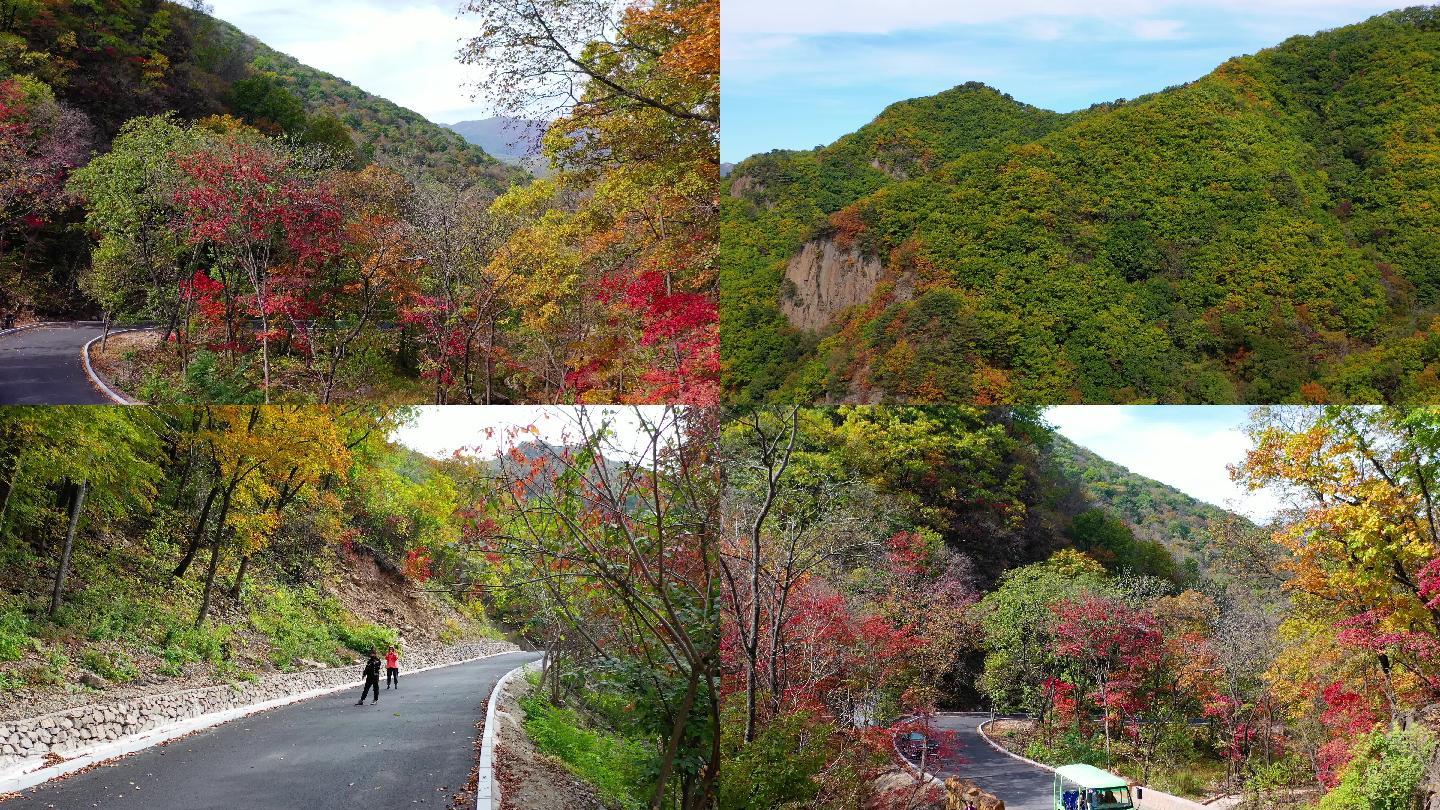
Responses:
[527,777]
[376,591]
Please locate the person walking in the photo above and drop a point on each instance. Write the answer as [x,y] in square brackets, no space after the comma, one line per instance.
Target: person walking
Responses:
[392,668]
[372,679]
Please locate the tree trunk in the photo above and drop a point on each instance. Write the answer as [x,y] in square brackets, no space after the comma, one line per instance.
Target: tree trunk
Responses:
[672,746]
[240,577]
[11,478]
[214,557]
[77,502]
[199,535]
[1105,716]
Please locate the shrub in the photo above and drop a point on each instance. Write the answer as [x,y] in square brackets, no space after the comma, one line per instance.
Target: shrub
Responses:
[1385,772]
[362,637]
[1071,747]
[779,767]
[114,667]
[292,630]
[116,618]
[184,644]
[15,637]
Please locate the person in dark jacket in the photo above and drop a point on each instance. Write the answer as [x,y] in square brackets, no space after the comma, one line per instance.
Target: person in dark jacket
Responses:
[372,679]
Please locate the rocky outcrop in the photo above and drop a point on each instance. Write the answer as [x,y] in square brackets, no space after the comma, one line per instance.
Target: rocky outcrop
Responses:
[823,280]
[745,184]
[72,731]
[963,794]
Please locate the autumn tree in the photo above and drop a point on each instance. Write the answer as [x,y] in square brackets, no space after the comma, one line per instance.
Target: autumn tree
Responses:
[620,535]
[632,206]
[1363,552]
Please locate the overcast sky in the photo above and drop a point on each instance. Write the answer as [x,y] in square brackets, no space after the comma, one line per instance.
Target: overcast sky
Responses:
[401,50]
[438,431]
[1187,447]
[801,73]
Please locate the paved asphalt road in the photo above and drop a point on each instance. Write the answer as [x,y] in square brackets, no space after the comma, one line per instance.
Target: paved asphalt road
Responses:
[416,747]
[41,366]
[1020,786]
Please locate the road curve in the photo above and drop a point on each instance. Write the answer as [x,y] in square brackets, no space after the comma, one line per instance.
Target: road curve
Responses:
[416,747]
[1020,785]
[41,366]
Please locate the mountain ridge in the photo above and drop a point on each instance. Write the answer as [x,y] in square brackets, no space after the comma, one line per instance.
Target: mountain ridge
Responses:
[1241,237]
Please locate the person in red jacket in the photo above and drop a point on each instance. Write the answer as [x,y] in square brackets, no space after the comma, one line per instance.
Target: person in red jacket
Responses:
[392,669]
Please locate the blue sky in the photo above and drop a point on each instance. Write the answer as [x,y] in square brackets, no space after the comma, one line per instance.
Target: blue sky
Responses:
[1188,447]
[800,73]
[401,50]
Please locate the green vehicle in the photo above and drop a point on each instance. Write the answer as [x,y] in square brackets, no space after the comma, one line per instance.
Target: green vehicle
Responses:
[1086,787]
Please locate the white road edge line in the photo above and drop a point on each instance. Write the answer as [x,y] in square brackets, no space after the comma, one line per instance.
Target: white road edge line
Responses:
[12,330]
[487,787]
[1007,752]
[117,398]
[17,779]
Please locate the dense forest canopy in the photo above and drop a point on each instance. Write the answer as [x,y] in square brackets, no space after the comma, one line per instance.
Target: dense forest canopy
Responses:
[1297,670]
[298,240]
[1263,234]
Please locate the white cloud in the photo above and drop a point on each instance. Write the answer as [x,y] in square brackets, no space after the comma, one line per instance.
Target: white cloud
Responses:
[1158,30]
[402,51]
[1190,454]
[812,17]
[1044,30]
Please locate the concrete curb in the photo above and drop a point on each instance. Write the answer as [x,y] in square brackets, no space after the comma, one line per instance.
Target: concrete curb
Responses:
[18,779]
[1007,752]
[95,378]
[1147,798]
[487,787]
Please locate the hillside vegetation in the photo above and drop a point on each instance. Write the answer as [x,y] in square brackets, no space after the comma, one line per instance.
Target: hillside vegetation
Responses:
[1154,511]
[909,559]
[147,547]
[172,545]
[297,240]
[1266,233]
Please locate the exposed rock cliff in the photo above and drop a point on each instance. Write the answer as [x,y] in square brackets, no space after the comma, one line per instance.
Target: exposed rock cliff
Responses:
[823,280]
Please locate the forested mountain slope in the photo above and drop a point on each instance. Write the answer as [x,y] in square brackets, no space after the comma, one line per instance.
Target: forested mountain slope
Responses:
[73,73]
[115,59]
[1154,511]
[1267,233]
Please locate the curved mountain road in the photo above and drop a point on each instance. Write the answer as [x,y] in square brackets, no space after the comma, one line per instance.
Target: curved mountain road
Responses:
[416,747]
[1020,785]
[42,366]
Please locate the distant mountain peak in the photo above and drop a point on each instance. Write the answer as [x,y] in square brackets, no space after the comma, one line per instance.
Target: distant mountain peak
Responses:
[502,136]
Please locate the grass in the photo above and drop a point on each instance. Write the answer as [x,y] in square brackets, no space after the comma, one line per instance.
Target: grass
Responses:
[114,667]
[615,765]
[15,635]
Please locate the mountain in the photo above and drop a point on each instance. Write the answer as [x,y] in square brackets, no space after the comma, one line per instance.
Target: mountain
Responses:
[1154,511]
[117,59]
[1267,233]
[504,137]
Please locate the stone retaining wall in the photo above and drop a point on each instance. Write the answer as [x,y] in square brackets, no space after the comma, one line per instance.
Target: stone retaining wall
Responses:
[73,730]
